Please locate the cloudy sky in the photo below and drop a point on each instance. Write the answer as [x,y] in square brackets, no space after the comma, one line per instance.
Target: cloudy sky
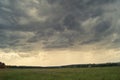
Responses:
[59,32]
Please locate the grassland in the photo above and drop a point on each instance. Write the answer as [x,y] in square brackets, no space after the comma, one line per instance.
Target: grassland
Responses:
[103,73]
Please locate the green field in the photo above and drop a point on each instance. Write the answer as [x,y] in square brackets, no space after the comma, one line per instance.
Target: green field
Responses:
[105,73]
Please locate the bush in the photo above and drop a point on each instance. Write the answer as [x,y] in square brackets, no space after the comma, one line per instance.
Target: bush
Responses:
[2,65]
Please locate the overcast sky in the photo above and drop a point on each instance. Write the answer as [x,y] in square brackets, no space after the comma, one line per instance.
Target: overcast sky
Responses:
[58,32]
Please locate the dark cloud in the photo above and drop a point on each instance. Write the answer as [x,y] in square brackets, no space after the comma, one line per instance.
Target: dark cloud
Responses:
[52,23]
[101,31]
[102,27]
[70,23]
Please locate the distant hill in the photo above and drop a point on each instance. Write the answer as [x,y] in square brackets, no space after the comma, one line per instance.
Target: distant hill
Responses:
[69,66]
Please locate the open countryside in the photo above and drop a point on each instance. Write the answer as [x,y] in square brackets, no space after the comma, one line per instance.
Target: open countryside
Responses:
[106,73]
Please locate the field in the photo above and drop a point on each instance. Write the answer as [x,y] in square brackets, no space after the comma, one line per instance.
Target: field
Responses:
[103,73]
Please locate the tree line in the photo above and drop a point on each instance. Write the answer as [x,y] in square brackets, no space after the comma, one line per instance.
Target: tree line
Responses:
[2,65]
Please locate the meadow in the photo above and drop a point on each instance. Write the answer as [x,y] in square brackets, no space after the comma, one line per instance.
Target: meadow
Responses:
[98,73]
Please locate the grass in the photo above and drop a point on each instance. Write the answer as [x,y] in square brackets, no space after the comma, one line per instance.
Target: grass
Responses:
[104,73]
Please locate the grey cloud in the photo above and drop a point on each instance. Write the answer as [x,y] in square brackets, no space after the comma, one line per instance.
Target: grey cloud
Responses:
[71,24]
[102,27]
[101,31]
[70,21]
[14,39]
[55,23]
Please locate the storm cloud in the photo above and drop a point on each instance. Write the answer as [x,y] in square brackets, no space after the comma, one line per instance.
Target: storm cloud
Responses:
[27,25]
